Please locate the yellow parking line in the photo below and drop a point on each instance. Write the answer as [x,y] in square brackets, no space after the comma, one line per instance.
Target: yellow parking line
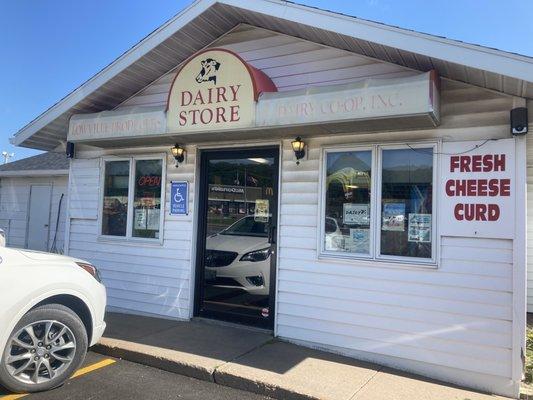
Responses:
[80,372]
[13,396]
[93,367]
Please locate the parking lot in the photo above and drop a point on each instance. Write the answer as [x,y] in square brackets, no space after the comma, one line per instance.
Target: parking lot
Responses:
[108,379]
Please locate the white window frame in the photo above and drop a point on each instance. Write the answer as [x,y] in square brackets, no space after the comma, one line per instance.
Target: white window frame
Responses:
[378,197]
[375,206]
[131,196]
[322,248]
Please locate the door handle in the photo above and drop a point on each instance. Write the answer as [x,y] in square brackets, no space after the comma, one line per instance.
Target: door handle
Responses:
[272,235]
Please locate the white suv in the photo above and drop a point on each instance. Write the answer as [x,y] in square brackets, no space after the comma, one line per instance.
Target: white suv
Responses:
[51,310]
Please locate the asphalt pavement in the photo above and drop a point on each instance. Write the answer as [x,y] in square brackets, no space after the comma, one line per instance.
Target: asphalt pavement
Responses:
[102,379]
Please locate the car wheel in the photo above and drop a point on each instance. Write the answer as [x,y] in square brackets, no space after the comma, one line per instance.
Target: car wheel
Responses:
[45,348]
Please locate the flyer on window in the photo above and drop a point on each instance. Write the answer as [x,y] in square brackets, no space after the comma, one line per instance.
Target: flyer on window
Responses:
[152,220]
[139,221]
[359,241]
[356,214]
[419,229]
[393,218]
[262,210]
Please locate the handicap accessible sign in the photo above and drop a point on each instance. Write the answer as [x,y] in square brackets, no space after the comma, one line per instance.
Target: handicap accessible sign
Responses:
[179,193]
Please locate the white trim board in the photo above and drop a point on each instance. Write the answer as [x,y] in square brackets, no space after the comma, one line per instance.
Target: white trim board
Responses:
[31,173]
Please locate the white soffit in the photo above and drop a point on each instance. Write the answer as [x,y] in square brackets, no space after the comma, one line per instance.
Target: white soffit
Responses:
[206,20]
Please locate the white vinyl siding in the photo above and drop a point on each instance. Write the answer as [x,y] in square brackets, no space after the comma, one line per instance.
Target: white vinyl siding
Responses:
[454,322]
[14,206]
[152,279]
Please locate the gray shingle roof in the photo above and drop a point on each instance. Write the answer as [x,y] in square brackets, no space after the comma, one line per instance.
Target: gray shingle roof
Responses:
[45,161]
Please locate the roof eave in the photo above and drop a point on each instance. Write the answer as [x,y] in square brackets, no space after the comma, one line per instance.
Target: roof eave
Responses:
[490,60]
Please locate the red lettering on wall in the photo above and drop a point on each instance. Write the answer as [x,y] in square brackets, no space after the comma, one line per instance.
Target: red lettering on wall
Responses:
[499,162]
[454,163]
[234,113]
[221,94]
[186,98]
[478,187]
[206,115]
[234,89]
[476,212]
[220,115]
[198,99]
[478,163]
[482,187]
[182,118]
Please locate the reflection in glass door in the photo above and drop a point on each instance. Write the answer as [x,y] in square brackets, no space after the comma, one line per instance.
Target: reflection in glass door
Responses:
[237,230]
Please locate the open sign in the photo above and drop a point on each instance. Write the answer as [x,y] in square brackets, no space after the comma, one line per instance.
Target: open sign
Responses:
[149,180]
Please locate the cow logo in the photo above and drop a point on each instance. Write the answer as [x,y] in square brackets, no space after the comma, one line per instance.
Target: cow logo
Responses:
[209,71]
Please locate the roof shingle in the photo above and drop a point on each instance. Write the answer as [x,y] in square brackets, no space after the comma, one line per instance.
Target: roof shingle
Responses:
[45,161]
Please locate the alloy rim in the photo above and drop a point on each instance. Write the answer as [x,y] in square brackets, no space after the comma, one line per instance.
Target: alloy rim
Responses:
[40,352]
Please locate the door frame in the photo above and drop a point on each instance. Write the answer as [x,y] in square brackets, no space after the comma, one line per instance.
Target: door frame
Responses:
[205,155]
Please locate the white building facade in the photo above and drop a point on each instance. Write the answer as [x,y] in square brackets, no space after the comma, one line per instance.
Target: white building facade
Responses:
[398,234]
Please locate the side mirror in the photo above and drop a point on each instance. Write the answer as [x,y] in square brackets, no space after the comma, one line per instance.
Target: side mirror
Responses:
[2,238]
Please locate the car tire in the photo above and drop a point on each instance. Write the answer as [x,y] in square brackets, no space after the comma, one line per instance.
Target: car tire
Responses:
[58,356]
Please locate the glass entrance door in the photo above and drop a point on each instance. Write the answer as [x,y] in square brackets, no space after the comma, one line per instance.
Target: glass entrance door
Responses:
[237,235]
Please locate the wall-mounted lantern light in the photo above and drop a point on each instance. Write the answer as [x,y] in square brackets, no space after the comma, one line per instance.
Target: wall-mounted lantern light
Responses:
[298,146]
[179,153]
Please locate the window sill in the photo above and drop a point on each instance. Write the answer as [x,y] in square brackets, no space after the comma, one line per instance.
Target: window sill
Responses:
[130,241]
[381,263]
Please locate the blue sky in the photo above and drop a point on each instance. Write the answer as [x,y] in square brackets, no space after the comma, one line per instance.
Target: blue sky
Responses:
[50,47]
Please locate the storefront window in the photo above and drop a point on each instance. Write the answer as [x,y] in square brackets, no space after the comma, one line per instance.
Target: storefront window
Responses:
[348,182]
[115,207]
[403,201]
[406,202]
[132,213]
[147,200]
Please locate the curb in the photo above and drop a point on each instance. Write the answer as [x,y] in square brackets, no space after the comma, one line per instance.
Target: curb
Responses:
[147,355]
[155,357]
[258,387]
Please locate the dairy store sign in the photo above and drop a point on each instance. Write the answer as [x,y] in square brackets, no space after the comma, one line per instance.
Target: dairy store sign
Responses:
[368,99]
[478,189]
[215,89]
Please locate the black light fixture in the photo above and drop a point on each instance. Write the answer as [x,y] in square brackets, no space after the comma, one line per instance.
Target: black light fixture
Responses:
[179,153]
[298,146]
[69,150]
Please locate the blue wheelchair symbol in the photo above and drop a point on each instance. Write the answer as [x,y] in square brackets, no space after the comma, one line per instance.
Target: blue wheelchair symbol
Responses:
[178,198]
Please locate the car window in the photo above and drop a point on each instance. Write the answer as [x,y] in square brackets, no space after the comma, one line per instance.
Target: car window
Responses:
[247,226]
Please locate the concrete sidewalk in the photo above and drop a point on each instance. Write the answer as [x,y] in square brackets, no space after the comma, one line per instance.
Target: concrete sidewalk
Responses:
[254,361]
